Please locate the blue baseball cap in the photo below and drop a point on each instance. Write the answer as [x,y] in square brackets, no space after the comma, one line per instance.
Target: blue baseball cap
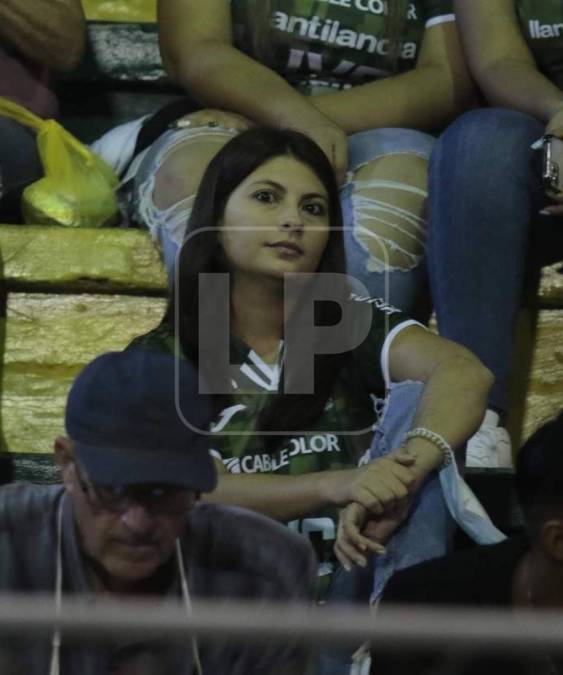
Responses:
[138,417]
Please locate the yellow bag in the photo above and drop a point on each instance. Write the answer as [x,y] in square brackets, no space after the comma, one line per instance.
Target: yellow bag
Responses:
[78,189]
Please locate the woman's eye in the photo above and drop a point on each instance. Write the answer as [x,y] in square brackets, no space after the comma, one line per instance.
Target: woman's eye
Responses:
[265,196]
[315,208]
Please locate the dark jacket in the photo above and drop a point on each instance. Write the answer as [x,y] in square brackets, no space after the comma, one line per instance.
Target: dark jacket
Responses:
[229,553]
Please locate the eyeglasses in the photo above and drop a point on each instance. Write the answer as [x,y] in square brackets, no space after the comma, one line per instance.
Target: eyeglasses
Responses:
[157,499]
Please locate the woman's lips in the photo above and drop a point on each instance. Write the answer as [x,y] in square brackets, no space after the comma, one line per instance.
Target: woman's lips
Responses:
[287,247]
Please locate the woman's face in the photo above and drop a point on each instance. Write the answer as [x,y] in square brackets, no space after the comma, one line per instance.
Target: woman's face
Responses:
[276,221]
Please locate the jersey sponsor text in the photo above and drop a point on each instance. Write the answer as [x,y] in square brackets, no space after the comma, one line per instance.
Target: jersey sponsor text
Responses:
[330,32]
[372,6]
[539,31]
[270,463]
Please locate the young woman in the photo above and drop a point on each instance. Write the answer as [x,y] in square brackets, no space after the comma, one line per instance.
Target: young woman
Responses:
[487,204]
[267,212]
[367,80]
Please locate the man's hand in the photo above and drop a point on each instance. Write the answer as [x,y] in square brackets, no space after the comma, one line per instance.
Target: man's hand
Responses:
[377,486]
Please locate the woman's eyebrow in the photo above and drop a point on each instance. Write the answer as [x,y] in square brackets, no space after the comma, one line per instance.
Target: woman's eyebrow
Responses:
[271,183]
[317,195]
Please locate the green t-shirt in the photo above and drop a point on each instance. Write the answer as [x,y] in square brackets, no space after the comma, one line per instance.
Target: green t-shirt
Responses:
[337,43]
[337,440]
[542,26]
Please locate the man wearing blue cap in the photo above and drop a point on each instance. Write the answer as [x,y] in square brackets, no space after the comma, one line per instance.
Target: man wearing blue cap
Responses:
[127,521]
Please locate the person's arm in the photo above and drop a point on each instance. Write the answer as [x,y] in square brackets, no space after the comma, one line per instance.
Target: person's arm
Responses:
[197,50]
[501,61]
[426,97]
[453,405]
[48,32]
[377,486]
[504,67]
[455,394]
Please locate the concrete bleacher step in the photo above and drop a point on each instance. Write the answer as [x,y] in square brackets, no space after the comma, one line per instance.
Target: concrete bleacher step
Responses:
[48,339]
[118,260]
[120,10]
[119,79]
[69,295]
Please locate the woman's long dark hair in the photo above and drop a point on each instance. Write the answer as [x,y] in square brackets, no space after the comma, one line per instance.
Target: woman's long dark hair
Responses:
[204,254]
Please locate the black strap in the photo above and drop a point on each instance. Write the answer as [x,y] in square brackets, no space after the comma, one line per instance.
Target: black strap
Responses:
[158,123]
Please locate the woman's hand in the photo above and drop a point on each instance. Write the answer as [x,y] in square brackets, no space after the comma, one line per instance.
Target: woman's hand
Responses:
[377,486]
[361,534]
[213,117]
[333,142]
[555,127]
[555,124]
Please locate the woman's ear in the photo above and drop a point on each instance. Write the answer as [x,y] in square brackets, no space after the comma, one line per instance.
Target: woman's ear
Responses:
[64,456]
[551,538]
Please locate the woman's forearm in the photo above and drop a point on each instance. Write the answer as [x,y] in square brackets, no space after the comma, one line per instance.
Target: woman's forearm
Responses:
[375,486]
[453,405]
[516,84]
[283,498]
[456,386]
[500,59]
[425,98]
[221,76]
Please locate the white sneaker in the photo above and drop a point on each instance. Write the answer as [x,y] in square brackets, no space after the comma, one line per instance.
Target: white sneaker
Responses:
[490,446]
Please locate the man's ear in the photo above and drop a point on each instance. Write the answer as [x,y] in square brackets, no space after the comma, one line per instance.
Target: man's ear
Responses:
[64,456]
[551,538]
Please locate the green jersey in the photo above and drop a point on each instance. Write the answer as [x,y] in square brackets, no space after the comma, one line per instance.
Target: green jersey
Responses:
[542,26]
[337,440]
[338,43]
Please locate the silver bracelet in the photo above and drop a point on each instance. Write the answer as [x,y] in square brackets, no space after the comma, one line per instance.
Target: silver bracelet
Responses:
[433,437]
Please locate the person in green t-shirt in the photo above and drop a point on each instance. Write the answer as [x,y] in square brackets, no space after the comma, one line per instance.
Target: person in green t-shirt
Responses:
[294,353]
[369,81]
[490,215]
[267,213]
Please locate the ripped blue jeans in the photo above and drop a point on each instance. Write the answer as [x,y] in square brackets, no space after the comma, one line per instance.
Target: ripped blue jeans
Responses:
[378,215]
[441,502]
[370,205]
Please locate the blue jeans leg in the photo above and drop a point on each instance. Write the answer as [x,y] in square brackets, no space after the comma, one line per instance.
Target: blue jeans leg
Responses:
[427,532]
[347,588]
[484,190]
[400,287]
[20,165]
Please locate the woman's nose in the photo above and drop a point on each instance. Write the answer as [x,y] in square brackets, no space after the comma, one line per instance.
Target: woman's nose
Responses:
[291,220]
